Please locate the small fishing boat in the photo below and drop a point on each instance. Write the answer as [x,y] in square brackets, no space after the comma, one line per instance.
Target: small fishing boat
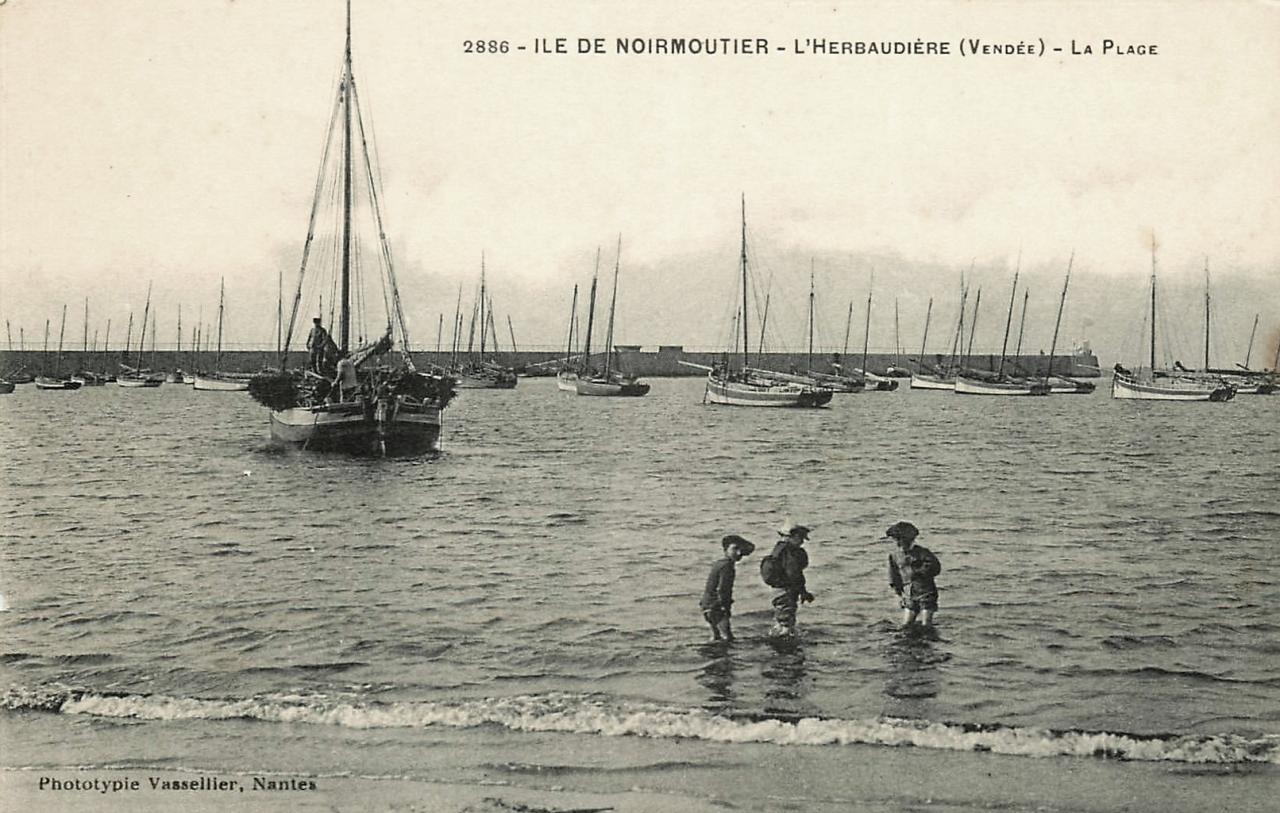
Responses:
[748,386]
[610,381]
[57,381]
[1166,385]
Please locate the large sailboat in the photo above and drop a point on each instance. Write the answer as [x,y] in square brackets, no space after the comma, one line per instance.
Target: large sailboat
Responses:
[1164,385]
[610,381]
[742,385]
[378,403]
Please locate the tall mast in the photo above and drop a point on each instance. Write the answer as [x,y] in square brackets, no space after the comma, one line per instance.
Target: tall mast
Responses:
[925,338]
[106,342]
[897,337]
[1153,303]
[591,316]
[1008,322]
[153,341]
[973,326]
[1053,346]
[613,302]
[1206,313]
[484,325]
[142,339]
[44,359]
[1022,326]
[439,338]
[222,289]
[866,330]
[86,325]
[457,329]
[573,318]
[512,331]
[848,324]
[348,82]
[179,348]
[128,339]
[279,318]
[61,331]
[764,324]
[745,345]
[1247,353]
[809,361]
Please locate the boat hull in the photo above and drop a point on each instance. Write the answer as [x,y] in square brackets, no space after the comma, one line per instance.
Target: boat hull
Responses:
[475,382]
[764,394]
[976,386]
[6,387]
[922,381]
[216,384]
[138,383]
[1126,388]
[356,428]
[587,386]
[566,381]
[43,383]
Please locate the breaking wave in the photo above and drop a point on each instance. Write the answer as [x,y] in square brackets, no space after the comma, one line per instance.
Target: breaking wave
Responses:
[601,715]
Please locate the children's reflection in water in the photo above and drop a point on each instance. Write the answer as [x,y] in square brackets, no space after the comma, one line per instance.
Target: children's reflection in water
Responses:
[914,656]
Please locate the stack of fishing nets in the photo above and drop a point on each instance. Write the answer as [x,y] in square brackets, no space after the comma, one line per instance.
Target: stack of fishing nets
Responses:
[275,390]
[426,387]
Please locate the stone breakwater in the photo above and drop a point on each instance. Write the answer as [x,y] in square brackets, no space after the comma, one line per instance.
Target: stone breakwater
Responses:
[662,362]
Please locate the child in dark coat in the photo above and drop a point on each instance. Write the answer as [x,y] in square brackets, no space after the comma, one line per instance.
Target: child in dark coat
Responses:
[717,597]
[912,569]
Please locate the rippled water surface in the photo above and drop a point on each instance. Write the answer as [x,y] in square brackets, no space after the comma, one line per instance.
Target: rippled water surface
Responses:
[1107,566]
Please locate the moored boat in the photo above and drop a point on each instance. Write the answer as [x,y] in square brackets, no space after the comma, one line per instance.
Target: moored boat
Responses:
[377,403]
[610,381]
[746,386]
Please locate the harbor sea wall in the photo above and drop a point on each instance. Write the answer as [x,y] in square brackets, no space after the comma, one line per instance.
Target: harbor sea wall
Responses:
[664,361]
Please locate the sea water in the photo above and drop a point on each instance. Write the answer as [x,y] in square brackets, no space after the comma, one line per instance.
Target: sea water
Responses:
[175,591]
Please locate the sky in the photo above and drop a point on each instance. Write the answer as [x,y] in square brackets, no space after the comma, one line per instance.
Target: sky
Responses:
[177,144]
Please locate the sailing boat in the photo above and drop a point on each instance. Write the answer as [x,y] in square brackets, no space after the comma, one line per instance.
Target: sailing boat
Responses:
[870,380]
[480,372]
[748,386]
[942,377]
[135,376]
[896,370]
[56,381]
[1163,385]
[969,383]
[219,380]
[611,381]
[87,377]
[567,375]
[390,408]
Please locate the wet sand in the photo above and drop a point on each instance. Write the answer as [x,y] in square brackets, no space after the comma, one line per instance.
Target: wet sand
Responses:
[695,777]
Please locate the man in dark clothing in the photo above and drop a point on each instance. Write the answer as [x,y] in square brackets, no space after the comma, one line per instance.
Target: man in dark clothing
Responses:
[792,559]
[317,342]
[912,569]
[717,597]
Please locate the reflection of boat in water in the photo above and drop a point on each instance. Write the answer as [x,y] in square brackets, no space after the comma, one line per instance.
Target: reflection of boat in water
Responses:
[747,386]
[378,402]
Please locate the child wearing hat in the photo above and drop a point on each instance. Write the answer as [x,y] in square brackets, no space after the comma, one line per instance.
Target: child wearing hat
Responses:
[912,569]
[717,597]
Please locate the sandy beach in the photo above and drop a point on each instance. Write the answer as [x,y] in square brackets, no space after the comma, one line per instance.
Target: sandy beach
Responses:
[539,773]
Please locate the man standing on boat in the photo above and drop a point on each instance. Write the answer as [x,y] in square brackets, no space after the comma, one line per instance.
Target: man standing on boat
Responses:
[345,383]
[789,562]
[317,340]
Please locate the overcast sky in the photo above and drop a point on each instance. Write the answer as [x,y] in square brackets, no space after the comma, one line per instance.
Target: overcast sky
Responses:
[177,141]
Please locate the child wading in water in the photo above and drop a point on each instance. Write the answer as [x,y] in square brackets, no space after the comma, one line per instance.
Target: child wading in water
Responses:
[912,569]
[717,598]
